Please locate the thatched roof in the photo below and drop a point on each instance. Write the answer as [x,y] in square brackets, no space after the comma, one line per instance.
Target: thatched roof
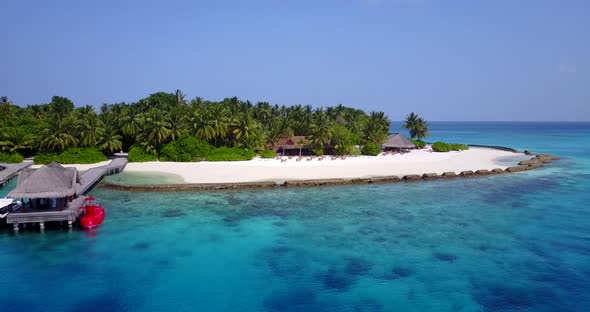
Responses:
[291,142]
[49,181]
[398,140]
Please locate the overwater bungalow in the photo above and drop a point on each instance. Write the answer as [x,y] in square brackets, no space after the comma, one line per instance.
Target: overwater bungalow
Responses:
[397,141]
[49,187]
[47,194]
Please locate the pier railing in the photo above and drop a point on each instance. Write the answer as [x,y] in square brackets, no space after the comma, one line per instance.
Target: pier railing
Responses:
[91,177]
[10,171]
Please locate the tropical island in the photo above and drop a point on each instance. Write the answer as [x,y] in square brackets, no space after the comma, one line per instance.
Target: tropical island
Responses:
[232,141]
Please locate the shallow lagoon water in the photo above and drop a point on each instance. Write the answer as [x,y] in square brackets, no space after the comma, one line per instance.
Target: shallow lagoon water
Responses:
[144,178]
[518,242]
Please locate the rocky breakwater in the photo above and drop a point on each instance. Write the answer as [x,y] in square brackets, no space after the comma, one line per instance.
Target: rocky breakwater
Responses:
[537,161]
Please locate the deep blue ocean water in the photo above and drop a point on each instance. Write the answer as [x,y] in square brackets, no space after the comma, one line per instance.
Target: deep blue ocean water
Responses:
[517,242]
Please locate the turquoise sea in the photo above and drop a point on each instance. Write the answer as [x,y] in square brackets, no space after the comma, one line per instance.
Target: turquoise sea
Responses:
[518,242]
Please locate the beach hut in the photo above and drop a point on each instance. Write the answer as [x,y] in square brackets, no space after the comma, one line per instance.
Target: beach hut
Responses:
[46,188]
[397,141]
[291,146]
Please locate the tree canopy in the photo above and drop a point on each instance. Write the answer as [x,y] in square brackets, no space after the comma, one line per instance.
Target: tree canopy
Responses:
[162,117]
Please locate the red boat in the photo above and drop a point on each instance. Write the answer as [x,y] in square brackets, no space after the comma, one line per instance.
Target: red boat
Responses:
[93,214]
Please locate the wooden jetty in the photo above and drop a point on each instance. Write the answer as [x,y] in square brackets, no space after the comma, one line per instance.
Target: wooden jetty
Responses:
[91,177]
[71,210]
[10,171]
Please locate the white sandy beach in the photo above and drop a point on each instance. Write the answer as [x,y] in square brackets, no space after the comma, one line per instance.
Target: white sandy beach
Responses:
[415,162]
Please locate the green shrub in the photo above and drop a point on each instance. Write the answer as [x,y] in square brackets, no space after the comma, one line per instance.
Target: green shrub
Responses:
[45,158]
[446,147]
[185,150]
[371,149]
[87,155]
[343,149]
[441,147]
[139,154]
[419,143]
[343,140]
[355,151]
[458,147]
[268,154]
[11,158]
[169,152]
[230,154]
[317,150]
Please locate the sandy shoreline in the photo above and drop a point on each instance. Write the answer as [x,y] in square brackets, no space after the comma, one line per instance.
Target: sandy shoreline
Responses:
[260,170]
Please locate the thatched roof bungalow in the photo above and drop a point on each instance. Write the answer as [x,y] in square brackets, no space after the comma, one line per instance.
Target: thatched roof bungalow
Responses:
[51,181]
[292,145]
[397,141]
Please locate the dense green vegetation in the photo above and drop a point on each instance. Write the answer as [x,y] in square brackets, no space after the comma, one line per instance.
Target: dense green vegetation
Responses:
[230,154]
[186,149]
[268,154]
[191,148]
[11,158]
[371,149]
[87,155]
[419,143]
[154,122]
[139,154]
[447,147]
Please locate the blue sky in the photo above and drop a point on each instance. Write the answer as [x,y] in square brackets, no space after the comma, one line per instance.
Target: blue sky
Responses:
[447,60]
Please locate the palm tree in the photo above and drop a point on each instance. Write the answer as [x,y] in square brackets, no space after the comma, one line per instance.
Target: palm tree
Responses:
[58,136]
[177,120]
[15,139]
[420,130]
[355,120]
[417,127]
[410,122]
[91,128]
[5,105]
[262,112]
[130,121]
[321,131]
[243,127]
[377,128]
[37,111]
[256,140]
[180,98]
[157,129]
[202,128]
[110,140]
[219,121]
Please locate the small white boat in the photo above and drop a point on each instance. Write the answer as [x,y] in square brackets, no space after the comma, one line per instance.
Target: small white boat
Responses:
[7,206]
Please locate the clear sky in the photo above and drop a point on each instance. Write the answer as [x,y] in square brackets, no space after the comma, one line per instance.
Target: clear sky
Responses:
[447,60]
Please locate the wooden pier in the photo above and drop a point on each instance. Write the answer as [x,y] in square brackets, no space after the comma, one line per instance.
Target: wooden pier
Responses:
[72,211]
[91,177]
[10,171]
